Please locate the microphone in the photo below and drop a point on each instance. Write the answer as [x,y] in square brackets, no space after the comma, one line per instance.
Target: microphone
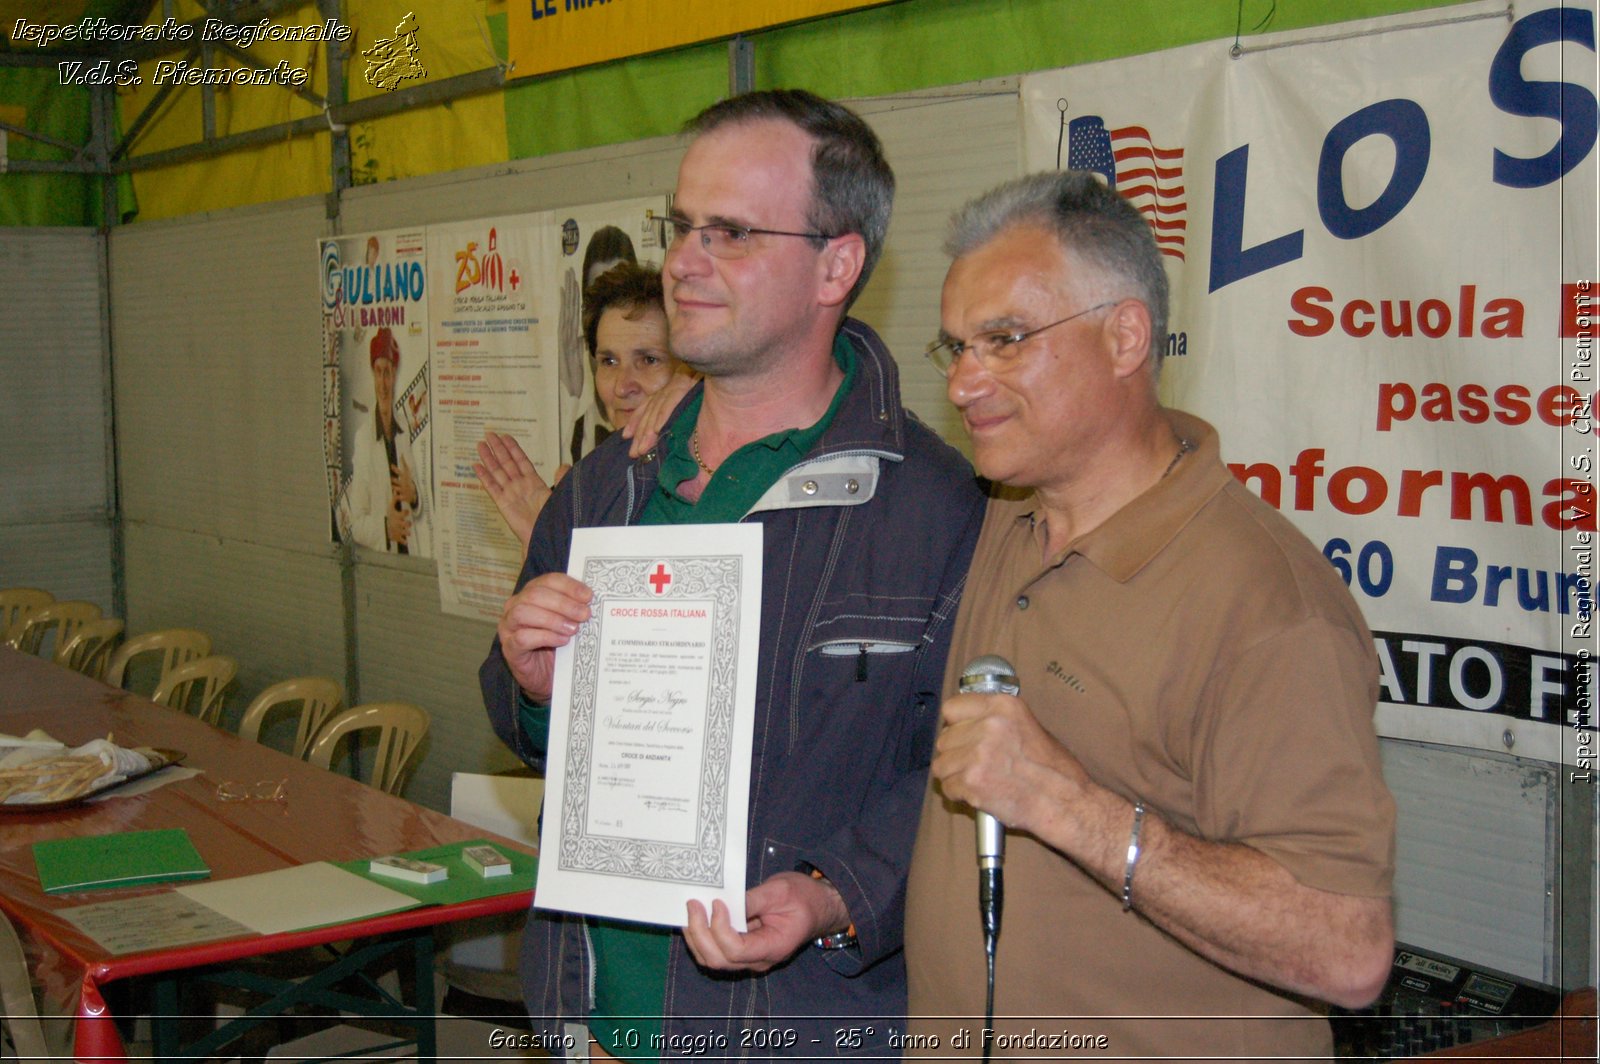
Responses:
[990,675]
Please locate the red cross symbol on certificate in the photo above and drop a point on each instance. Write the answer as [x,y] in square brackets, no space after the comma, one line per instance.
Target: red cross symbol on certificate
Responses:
[660,578]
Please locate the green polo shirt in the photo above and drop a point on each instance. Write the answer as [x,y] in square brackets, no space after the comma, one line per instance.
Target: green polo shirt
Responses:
[630,959]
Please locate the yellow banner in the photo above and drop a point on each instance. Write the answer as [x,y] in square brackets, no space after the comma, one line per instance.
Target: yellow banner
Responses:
[549,35]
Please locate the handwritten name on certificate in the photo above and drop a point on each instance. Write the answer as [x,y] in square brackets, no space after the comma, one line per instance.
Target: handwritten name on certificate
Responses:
[647,783]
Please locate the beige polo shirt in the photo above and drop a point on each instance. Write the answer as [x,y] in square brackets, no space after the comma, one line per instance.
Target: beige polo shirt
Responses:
[1195,651]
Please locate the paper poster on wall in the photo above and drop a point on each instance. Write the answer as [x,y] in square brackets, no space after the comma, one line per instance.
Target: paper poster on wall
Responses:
[508,356]
[376,402]
[587,241]
[490,372]
[1381,237]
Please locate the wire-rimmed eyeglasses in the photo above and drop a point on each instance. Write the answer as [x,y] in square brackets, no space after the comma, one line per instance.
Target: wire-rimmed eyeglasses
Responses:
[259,791]
[997,349]
[721,240]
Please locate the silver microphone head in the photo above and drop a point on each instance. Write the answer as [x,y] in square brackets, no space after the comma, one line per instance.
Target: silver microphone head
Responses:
[990,675]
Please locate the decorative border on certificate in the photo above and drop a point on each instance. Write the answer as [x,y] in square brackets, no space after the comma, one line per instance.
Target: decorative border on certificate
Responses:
[703,593]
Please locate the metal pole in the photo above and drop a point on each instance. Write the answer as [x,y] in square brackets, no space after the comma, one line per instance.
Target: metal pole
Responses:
[741,65]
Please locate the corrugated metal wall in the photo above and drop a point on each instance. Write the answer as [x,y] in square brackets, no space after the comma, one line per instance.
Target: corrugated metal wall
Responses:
[219,421]
[55,465]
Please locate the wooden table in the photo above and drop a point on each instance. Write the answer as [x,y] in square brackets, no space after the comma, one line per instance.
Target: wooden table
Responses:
[325,817]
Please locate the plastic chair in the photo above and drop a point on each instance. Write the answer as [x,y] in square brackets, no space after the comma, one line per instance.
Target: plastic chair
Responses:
[400,727]
[15,604]
[88,651]
[65,618]
[18,1010]
[199,684]
[176,645]
[318,696]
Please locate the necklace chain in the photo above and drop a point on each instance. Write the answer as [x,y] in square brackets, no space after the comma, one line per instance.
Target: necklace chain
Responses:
[1184,447]
[694,447]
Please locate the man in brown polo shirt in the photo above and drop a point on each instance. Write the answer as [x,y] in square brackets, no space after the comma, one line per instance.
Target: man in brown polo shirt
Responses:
[1199,840]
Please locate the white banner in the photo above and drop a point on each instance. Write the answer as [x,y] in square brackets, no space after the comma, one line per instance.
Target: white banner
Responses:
[1382,241]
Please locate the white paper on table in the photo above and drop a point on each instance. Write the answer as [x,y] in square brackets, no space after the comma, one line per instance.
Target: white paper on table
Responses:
[151,921]
[647,784]
[297,898]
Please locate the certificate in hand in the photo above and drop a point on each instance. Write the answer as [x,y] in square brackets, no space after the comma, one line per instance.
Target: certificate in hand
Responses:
[647,782]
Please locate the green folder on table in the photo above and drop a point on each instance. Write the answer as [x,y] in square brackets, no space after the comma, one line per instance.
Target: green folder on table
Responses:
[126,859]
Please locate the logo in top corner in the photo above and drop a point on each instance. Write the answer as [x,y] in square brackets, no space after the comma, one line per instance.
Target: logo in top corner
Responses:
[488,270]
[393,60]
[1151,177]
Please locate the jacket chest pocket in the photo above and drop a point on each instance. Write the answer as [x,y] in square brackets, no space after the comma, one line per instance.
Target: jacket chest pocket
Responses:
[864,651]
[857,700]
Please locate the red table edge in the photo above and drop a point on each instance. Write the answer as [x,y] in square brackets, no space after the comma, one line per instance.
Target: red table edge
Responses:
[96,1036]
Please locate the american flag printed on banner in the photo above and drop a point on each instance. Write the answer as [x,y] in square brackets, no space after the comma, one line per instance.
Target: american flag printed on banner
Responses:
[1150,177]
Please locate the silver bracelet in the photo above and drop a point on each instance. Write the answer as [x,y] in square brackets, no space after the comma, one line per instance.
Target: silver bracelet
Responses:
[1133,855]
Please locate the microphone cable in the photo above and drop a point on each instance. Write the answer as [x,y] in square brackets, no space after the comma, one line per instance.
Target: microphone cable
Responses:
[991,901]
[988,999]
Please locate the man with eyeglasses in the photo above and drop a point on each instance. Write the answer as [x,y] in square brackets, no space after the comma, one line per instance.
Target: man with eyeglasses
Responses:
[1199,836]
[868,521]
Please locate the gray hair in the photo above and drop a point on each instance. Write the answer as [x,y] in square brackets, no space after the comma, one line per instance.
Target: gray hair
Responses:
[1093,222]
[852,184]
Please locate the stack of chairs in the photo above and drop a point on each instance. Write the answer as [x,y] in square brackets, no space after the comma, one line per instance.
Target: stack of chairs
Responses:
[396,728]
[90,649]
[83,639]
[189,678]
[174,646]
